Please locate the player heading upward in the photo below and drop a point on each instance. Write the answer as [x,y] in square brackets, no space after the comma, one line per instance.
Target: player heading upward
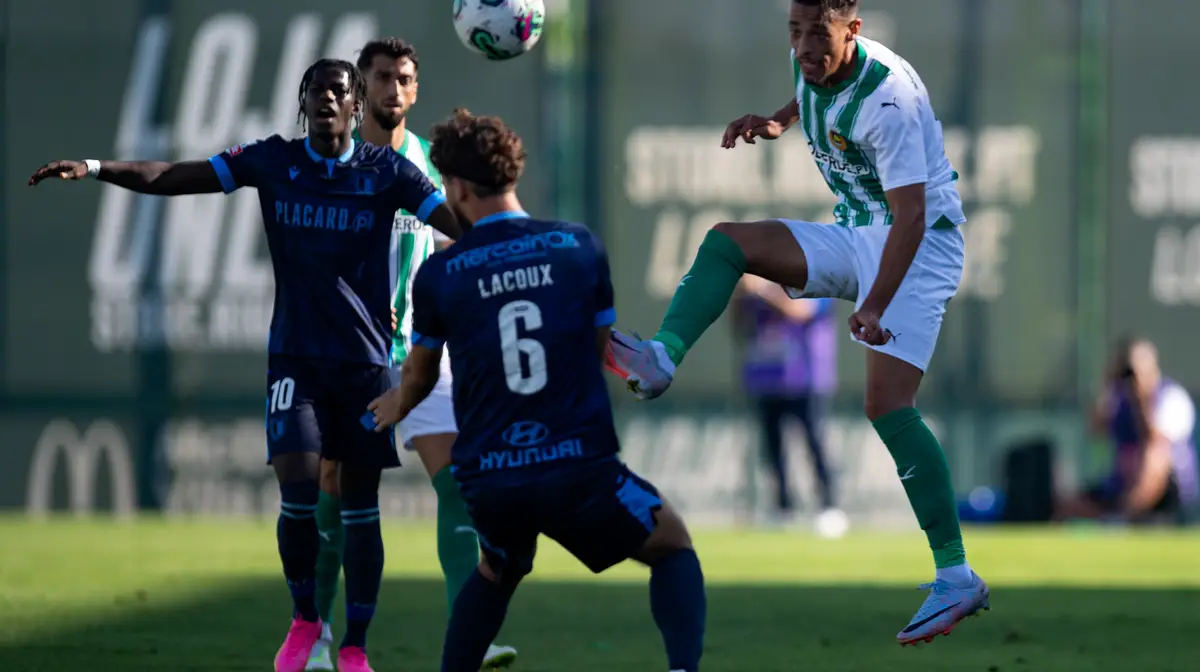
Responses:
[327,204]
[525,307]
[896,252]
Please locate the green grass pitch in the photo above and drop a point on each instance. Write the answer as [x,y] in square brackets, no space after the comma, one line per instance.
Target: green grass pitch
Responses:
[106,596]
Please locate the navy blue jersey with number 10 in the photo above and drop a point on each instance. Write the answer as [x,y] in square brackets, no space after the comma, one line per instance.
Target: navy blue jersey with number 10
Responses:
[517,301]
[328,225]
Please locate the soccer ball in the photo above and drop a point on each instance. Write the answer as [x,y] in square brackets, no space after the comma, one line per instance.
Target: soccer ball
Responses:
[499,29]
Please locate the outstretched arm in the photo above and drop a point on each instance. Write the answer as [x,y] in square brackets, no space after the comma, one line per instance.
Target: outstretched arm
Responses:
[788,115]
[753,126]
[147,177]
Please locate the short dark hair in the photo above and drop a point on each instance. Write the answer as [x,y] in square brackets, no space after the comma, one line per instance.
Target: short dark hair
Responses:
[839,7]
[481,150]
[358,85]
[392,47]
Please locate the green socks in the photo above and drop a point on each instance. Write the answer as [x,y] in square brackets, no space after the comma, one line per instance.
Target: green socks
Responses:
[457,545]
[329,558]
[923,471]
[702,294]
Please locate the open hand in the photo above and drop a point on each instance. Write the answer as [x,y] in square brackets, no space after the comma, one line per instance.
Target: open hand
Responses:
[63,170]
[386,409]
[748,128]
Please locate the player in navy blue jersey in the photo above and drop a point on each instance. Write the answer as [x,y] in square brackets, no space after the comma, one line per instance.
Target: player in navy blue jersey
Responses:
[327,204]
[525,307]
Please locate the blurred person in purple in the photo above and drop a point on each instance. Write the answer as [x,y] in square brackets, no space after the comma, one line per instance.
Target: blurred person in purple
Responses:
[790,371]
[1150,420]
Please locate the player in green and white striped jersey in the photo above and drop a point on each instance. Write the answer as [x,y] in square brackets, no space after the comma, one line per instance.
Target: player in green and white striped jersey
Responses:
[896,251]
[390,68]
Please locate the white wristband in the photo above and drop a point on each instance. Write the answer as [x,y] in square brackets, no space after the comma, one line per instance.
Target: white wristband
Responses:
[93,167]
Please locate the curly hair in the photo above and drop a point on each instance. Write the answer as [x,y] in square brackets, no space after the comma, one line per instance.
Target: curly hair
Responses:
[358,85]
[392,47]
[481,150]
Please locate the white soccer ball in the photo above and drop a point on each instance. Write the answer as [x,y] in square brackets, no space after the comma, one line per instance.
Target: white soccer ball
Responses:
[499,29]
[832,524]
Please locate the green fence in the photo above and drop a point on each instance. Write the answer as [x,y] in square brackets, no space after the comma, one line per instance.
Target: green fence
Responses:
[134,327]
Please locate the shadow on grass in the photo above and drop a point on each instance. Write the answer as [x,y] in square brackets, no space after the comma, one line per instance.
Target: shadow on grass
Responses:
[586,627]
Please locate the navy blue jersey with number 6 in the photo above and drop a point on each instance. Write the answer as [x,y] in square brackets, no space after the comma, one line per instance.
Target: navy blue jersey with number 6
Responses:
[328,225]
[517,301]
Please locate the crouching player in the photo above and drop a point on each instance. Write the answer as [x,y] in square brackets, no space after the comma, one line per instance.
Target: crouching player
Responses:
[525,307]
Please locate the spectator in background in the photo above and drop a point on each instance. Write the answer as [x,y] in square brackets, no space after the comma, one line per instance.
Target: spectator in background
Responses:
[790,371]
[1150,420]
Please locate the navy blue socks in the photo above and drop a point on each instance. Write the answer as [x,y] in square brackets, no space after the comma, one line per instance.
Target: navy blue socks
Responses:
[679,607]
[363,563]
[479,612]
[299,544]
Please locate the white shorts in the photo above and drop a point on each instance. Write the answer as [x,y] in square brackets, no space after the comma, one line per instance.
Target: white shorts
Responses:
[843,262]
[434,415]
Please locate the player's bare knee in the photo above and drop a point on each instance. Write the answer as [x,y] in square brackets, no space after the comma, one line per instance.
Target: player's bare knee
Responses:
[770,249]
[509,578]
[670,535]
[329,478]
[745,234]
[297,467]
[879,402]
[891,385]
[877,405]
[486,571]
[356,480]
[729,228]
[434,451]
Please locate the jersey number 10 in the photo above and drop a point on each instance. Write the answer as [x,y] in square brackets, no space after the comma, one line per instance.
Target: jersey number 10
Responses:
[512,347]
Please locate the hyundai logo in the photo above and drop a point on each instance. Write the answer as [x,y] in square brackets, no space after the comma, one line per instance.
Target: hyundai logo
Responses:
[525,433]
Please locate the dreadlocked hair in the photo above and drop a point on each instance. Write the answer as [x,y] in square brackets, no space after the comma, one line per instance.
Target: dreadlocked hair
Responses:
[481,150]
[357,84]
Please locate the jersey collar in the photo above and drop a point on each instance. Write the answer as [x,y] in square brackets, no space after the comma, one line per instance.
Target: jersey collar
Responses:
[860,63]
[500,216]
[312,154]
[403,150]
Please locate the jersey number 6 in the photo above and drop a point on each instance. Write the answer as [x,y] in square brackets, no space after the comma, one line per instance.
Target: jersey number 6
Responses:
[512,347]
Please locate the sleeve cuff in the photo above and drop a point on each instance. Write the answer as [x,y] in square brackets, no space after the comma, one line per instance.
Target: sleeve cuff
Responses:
[606,318]
[228,184]
[427,341]
[431,202]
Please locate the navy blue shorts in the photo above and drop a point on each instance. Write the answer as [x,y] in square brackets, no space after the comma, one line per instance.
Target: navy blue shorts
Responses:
[320,406]
[601,514]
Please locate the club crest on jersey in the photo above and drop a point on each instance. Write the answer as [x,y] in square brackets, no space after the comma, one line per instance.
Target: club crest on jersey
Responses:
[837,140]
